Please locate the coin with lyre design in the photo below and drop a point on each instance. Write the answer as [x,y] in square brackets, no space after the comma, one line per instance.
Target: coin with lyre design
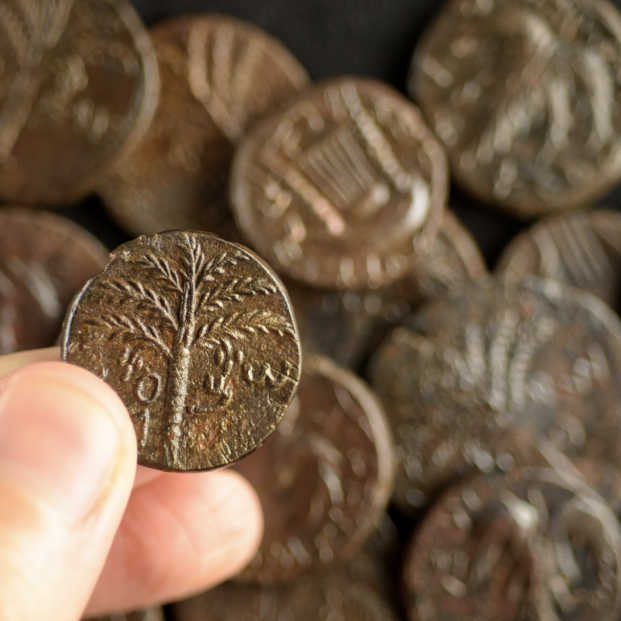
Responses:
[218,76]
[525,97]
[345,189]
[45,260]
[533,544]
[581,249]
[540,355]
[324,477]
[197,337]
[78,88]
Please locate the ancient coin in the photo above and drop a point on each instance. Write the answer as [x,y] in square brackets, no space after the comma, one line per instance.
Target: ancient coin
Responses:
[496,355]
[344,189]
[79,87]
[324,477]
[348,325]
[534,544]
[44,260]
[525,97]
[197,337]
[582,249]
[218,75]
[336,594]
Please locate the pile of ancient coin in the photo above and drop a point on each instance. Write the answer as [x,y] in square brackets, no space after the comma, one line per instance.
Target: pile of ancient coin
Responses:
[490,426]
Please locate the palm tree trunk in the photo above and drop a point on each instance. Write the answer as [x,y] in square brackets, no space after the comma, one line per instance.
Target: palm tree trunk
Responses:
[175,403]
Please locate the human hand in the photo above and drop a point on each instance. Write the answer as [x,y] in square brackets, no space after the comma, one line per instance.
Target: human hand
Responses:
[82,528]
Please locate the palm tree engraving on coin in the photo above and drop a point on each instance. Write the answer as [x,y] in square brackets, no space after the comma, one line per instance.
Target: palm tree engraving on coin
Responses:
[79,87]
[493,356]
[534,544]
[208,349]
[345,189]
[525,98]
[218,76]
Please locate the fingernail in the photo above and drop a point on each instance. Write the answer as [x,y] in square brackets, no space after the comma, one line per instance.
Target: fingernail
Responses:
[58,443]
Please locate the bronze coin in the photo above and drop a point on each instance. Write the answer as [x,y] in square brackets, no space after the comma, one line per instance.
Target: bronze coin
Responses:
[218,76]
[44,260]
[534,544]
[338,594]
[524,95]
[197,337]
[324,477]
[454,258]
[540,355]
[348,325]
[79,87]
[582,249]
[345,189]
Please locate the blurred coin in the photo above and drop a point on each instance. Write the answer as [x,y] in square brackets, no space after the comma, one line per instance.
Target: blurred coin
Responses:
[525,97]
[534,544]
[347,325]
[78,89]
[540,355]
[582,249]
[345,189]
[218,76]
[44,260]
[323,478]
[197,337]
[335,594]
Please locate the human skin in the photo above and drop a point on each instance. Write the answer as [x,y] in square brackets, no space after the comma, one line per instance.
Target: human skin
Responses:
[83,530]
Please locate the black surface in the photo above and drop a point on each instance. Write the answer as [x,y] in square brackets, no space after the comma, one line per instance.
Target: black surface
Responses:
[334,37]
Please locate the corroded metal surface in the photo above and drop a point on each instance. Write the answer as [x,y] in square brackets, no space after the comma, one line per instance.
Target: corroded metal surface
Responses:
[197,337]
[79,87]
[535,544]
[218,76]
[44,261]
[582,249]
[524,95]
[540,355]
[324,477]
[344,189]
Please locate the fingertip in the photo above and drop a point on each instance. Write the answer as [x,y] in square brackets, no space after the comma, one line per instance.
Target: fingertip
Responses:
[67,463]
[65,431]
[78,380]
[181,534]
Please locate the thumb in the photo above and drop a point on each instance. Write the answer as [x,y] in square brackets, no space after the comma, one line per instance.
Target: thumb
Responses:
[67,464]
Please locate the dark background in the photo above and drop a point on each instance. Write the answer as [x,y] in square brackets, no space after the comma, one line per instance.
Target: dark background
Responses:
[335,37]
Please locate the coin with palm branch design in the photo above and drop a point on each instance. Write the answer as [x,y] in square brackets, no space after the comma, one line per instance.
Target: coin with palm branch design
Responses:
[197,337]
